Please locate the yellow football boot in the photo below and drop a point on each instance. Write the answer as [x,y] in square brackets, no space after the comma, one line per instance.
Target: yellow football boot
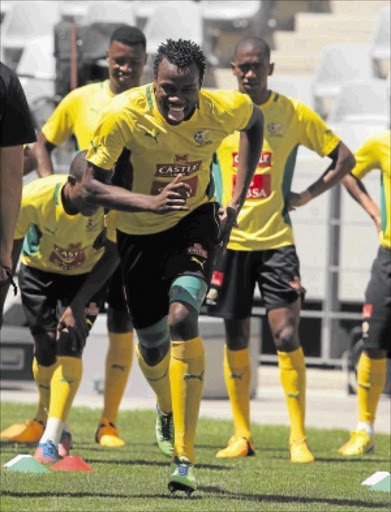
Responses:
[237,447]
[29,432]
[360,442]
[107,434]
[299,452]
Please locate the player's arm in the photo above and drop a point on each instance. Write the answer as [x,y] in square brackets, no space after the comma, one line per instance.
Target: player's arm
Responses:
[97,191]
[250,147]
[74,319]
[42,151]
[359,193]
[16,250]
[343,161]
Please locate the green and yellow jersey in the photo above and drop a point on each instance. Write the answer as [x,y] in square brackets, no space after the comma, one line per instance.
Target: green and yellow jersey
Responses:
[78,113]
[160,151]
[375,154]
[263,220]
[53,240]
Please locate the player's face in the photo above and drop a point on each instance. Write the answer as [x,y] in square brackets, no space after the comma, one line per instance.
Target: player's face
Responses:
[176,91]
[126,65]
[252,69]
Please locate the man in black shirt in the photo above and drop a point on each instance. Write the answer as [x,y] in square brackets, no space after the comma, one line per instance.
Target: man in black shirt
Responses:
[16,129]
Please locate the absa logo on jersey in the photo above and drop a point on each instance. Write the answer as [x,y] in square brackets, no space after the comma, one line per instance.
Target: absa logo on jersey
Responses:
[260,186]
[265,159]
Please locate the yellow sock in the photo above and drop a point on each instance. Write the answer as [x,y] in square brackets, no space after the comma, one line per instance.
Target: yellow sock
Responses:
[158,377]
[371,378]
[64,385]
[187,370]
[237,373]
[118,363]
[292,376]
[42,377]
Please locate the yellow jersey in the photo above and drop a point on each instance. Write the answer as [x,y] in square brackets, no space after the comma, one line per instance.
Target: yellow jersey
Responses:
[78,113]
[375,154]
[160,151]
[53,240]
[264,222]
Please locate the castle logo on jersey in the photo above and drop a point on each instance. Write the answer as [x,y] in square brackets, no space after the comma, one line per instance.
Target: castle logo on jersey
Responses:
[217,278]
[275,128]
[197,250]
[180,165]
[367,310]
[71,257]
[260,186]
[203,138]
[265,159]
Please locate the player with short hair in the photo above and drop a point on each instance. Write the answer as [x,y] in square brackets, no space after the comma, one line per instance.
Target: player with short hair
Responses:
[376,313]
[78,113]
[171,128]
[262,248]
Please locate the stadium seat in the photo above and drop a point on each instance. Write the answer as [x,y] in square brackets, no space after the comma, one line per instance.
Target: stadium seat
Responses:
[337,64]
[239,14]
[144,10]
[38,60]
[73,10]
[380,44]
[295,86]
[24,21]
[174,20]
[109,12]
[362,101]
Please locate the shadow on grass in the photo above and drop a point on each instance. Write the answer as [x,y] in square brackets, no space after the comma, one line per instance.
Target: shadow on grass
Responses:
[138,462]
[340,460]
[264,498]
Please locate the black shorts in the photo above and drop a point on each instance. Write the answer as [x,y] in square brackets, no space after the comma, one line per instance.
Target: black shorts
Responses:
[277,272]
[376,327]
[150,263]
[115,296]
[46,295]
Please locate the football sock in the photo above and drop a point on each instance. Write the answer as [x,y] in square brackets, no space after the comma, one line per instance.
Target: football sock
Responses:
[237,373]
[64,385]
[371,378]
[292,376]
[118,363]
[158,377]
[42,377]
[187,371]
[53,430]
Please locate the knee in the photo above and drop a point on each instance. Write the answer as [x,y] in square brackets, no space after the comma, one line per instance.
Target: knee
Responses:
[286,339]
[118,321]
[45,351]
[182,322]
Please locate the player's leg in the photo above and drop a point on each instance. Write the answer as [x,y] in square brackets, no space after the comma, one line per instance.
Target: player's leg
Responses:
[230,296]
[38,310]
[371,369]
[119,359]
[282,292]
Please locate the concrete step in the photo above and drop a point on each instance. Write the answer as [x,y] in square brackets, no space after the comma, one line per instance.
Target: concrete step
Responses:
[310,24]
[294,43]
[362,7]
[298,63]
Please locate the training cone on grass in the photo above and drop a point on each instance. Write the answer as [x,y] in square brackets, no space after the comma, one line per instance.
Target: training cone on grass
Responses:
[72,463]
[383,485]
[25,464]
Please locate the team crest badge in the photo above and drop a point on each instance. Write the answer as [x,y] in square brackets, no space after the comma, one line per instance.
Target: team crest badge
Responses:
[203,137]
[275,128]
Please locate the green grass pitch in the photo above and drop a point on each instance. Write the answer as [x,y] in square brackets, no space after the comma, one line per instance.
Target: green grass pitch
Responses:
[134,478]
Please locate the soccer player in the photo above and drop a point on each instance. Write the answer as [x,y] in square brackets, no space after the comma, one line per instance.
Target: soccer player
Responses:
[60,238]
[171,128]
[262,248]
[16,129]
[78,114]
[376,314]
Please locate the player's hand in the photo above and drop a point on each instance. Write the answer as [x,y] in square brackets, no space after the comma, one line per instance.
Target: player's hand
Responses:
[172,197]
[295,200]
[228,220]
[73,322]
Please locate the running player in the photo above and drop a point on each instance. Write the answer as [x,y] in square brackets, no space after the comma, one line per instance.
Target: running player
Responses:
[78,114]
[261,249]
[171,128]
[376,314]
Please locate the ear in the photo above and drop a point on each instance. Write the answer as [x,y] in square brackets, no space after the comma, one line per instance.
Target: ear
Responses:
[271,68]
[71,180]
[233,67]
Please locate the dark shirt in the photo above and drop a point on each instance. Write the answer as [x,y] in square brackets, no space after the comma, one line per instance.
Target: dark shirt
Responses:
[16,124]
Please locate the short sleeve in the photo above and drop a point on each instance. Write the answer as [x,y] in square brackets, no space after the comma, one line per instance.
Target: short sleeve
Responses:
[112,135]
[16,123]
[313,132]
[234,109]
[366,159]
[59,127]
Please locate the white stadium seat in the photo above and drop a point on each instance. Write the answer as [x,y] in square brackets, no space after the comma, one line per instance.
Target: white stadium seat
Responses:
[380,49]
